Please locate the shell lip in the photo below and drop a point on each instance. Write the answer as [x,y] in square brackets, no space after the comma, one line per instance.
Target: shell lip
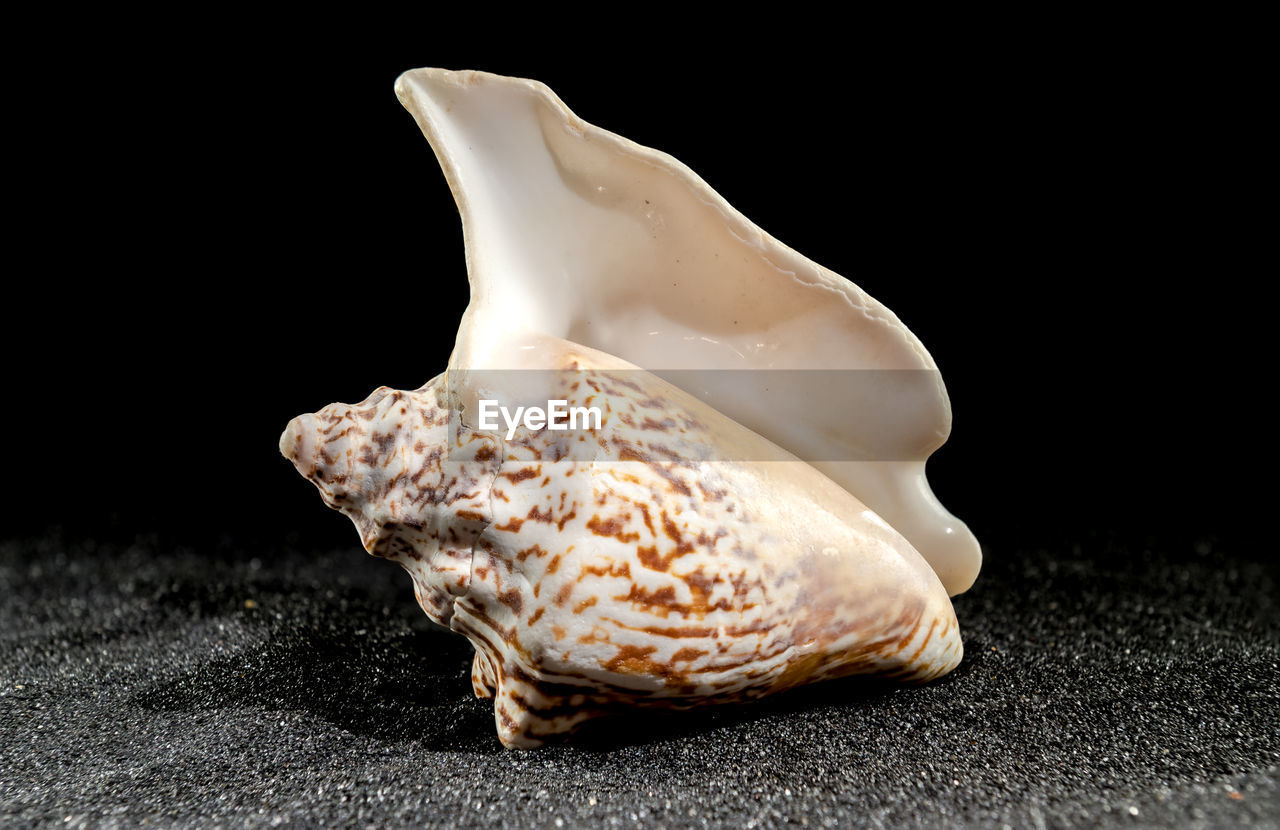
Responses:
[431,94]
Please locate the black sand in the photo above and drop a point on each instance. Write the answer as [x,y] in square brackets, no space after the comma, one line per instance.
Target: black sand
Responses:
[205,687]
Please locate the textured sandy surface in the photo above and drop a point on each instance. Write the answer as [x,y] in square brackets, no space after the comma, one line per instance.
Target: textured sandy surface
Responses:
[225,686]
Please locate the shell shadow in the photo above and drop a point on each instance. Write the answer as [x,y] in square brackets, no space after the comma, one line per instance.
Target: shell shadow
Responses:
[415,686]
[337,659]
[643,726]
[410,686]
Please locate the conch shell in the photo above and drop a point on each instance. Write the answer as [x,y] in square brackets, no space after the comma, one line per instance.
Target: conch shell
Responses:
[711,540]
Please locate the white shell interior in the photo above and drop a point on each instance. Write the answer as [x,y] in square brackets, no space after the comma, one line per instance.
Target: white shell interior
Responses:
[576,233]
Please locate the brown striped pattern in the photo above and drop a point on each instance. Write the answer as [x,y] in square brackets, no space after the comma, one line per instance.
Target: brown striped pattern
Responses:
[649,577]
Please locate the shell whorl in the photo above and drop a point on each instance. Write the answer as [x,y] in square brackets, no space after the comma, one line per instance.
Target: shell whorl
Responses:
[640,578]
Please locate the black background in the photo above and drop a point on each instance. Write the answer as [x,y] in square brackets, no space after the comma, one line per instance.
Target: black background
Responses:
[236,222]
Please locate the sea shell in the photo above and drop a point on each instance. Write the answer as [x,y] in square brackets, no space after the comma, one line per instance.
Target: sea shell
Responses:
[711,540]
